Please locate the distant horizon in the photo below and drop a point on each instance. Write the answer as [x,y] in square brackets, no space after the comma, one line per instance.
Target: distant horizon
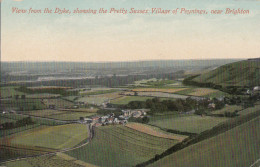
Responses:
[130,61]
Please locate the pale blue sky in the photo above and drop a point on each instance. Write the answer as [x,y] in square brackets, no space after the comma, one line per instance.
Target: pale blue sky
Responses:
[118,37]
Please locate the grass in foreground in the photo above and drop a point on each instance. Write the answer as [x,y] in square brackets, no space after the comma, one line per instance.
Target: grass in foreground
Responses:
[236,147]
[120,146]
[48,160]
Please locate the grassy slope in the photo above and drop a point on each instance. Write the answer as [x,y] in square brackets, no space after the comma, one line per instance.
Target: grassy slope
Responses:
[243,73]
[120,146]
[236,147]
[186,123]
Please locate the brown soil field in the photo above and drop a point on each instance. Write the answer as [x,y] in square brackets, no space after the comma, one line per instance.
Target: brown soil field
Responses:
[151,131]
[173,90]
[202,91]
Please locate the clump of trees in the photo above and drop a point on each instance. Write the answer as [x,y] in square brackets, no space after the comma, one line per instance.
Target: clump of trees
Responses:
[117,112]
[156,105]
[181,105]
[143,120]
[18,123]
[60,91]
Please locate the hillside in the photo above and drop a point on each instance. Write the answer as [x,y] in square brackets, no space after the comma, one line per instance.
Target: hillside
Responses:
[236,147]
[242,73]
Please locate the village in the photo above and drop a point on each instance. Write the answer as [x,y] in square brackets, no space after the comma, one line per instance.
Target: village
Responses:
[111,119]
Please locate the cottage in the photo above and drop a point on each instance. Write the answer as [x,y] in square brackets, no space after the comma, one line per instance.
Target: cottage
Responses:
[95,119]
[88,120]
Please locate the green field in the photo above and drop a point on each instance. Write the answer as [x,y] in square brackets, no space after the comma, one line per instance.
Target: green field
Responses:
[22,104]
[96,100]
[48,161]
[4,133]
[61,115]
[230,109]
[186,123]
[127,99]
[249,110]
[9,92]
[34,119]
[120,146]
[236,147]
[59,103]
[56,137]
[71,115]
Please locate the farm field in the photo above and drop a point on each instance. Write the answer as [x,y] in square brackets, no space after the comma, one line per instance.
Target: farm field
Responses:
[86,110]
[204,92]
[49,160]
[120,146]
[236,147]
[42,96]
[4,120]
[186,123]
[127,99]
[230,109]
[4,133]
[162,94]
[155,131]
[95,100]
[56,137]
[34,119]
[43,113]
[165,90]
[59,103]
[71,115]
[60,114]
[9,92]
[21,104]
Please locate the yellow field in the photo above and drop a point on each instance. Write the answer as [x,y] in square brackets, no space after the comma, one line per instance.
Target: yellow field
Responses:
[173,90]
[56,137]
[202,91]
[86,110]
[154,132]
[111,95]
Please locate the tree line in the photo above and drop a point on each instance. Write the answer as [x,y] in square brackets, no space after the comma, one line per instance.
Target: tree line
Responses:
[18,123]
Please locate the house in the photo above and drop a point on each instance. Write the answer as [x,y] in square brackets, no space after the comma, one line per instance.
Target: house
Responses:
[95,119]
[212,106]
[52,106]
[110,120]
[103,119]
[127,113]
[256,90]
[88,120]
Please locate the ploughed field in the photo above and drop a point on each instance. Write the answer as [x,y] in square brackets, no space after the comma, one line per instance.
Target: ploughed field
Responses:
[121,146]
[236,147]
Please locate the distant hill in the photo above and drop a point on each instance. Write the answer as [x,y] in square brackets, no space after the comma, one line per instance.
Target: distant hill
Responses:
[243,73]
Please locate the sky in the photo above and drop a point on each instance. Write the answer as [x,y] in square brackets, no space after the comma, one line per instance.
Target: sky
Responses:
[128,37]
